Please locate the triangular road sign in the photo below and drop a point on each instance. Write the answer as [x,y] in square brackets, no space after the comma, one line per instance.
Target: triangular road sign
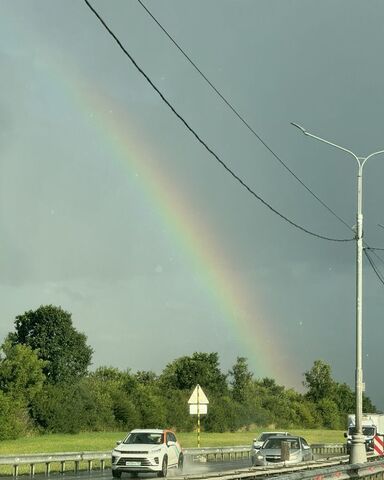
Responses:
[198,397]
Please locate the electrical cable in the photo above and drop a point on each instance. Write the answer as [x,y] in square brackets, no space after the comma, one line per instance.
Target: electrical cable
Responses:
[247,124]
[374,267]
[238,115]
[222,163]
[378,257]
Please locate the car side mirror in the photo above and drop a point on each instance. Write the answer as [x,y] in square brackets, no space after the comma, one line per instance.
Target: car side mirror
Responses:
[118,442]
[345,435]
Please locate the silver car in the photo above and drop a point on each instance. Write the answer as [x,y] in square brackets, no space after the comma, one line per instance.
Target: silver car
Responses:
[258,442]
[270,452]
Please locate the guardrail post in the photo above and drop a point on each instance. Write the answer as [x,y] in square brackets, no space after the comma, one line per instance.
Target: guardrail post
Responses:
[285,451]
[15,470]
[77,466]
[102,464]
[89,465]
[47,468]
[62,468]
[32,470]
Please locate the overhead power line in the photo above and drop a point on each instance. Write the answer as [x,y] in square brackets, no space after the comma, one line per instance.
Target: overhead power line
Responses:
[239,115]
[251,129]
[373,250]
[222,163]
[374,266]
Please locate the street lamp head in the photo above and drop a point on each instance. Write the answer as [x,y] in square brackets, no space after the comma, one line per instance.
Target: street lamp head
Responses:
[299,127]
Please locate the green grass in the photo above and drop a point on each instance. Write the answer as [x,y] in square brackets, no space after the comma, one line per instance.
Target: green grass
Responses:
[103,441]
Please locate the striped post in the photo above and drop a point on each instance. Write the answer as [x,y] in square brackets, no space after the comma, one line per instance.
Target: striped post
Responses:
[378,445]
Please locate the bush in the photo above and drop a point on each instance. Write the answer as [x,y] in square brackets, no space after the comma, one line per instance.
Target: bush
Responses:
[127,416]
[14,419]
[59,409]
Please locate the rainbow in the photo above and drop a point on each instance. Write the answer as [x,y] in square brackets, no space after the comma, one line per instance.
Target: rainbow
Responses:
[233,299]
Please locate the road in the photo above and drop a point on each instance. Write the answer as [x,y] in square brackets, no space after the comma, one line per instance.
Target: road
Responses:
[189,468]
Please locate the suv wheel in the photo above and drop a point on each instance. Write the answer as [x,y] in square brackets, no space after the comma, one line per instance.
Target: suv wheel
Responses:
[116,474]
[180,463]
[164,467]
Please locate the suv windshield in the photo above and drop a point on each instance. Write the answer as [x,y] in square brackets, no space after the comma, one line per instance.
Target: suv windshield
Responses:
[144,437]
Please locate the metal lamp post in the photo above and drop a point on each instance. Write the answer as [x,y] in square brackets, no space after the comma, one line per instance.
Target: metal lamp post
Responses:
[358,453]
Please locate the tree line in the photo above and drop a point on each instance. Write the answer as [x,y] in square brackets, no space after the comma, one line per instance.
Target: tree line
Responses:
[46,387]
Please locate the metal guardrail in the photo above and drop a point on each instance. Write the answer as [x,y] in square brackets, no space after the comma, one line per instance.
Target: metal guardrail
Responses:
[331,448]
[244,451]
[101,458]
[219,453]
[47,459]
[309,471]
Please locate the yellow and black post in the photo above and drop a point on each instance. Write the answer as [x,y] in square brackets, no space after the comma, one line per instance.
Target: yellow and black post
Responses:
[198,417]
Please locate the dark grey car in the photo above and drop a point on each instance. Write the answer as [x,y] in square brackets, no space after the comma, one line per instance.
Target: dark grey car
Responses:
[270,452]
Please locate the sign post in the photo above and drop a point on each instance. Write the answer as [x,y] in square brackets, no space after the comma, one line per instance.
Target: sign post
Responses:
[198,405]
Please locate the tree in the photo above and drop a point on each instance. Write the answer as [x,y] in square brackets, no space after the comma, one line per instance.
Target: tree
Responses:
[186,372]
[224,415]
[113,391]
[330,414]
[241,379]
[345,398]
[368,406]
[176,404]
[21,372]
[319,381]
[146,377]
[49,331]
[150,405]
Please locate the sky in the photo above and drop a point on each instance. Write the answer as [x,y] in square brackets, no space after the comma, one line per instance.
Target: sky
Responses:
[110,207]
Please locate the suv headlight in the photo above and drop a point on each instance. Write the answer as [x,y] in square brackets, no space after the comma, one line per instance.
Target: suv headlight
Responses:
[260,457]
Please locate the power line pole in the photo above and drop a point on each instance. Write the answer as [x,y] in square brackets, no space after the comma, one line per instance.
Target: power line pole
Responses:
[358,453]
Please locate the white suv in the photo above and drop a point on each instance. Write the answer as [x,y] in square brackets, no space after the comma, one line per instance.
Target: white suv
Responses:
[147,451]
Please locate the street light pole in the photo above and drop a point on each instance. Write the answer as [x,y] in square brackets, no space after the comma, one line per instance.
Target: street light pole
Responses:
[358,453]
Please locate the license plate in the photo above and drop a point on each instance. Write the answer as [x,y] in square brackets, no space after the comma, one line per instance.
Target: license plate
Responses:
[132,464]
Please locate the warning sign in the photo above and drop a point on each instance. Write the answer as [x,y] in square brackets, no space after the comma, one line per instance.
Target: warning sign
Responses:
[198,402]
[378,445]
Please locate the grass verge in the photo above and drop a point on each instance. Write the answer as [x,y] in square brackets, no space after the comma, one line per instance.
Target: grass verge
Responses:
[103,441]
